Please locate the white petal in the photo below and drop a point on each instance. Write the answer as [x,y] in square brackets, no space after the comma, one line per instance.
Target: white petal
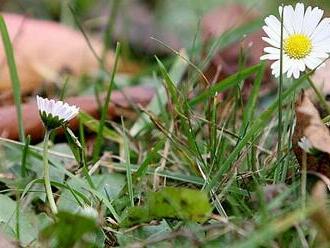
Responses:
[312,62]
[323,35]
[299,17]
[57,108]
[296,72]
[301,65]
[288,19]
[272,42]
[312,20]
[275,25]
[270,57]
[39,102]
[323,46]
[322,27]
[271,34]
[290,71]
[320,55]
[272,50]
[306,22]
[276,68]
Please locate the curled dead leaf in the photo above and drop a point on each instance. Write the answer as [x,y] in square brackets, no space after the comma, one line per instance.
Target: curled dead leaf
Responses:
[224,18]
[5,242]
[321,78]
[43,49]
[120,104]
[309,125]
[321,217]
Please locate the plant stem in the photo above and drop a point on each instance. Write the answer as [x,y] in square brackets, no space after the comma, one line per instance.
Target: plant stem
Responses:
[279,144]
[49,192]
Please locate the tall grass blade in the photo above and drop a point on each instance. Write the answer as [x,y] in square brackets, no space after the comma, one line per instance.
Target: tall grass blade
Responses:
[16,86]
[99,138]
[254,130]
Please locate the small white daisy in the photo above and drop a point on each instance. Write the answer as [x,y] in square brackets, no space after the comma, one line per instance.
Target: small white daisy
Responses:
[55,113]
[306,39]
[306,145]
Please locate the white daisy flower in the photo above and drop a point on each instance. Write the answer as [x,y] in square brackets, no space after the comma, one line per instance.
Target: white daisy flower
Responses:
[55,113]
[306,145]
[306,39]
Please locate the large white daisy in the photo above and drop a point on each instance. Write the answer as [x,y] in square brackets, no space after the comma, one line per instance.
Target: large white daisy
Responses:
[55,113]
[306,39]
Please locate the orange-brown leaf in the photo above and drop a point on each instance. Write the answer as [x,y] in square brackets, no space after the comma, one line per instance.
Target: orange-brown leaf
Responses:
[45,48]
[309,124]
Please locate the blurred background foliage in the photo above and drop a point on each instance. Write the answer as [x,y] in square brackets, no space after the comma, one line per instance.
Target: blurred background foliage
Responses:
[180,19]
[176,23]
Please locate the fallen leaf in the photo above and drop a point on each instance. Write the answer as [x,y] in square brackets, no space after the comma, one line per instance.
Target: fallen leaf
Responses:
[44,49]
[321,79]
[120,103]
[5,242]
[321,217]
[309,125]
[224,18]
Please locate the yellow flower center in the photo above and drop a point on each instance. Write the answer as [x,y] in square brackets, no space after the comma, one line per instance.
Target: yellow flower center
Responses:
[297,46]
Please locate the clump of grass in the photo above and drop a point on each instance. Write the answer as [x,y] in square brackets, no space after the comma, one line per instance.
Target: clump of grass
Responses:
[225,152]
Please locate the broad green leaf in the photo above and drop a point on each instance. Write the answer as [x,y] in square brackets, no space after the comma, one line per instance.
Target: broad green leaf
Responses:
[170,202]
[70,230]
[28,231]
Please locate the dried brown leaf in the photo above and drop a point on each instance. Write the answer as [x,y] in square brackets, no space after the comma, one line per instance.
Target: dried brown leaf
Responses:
[121,103]
[5,242]
[309,125]
[43,49]
[321,217]
[321,78]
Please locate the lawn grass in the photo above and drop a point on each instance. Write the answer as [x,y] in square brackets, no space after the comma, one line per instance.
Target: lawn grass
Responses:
[192,135]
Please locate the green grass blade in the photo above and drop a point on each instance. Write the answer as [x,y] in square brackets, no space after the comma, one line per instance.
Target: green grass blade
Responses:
[229,37]
[254,130]
[271,230]
[99,138]
[128,166]
[94,125]
[158,102]
[170,84]
[25,153]
[165,173]
[152,155]
[249,110]
[16,86]
[225,84]
[107,203]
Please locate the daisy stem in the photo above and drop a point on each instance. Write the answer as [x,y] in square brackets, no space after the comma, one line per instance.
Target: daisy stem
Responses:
[48,188]
[279,144]
[319,95]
